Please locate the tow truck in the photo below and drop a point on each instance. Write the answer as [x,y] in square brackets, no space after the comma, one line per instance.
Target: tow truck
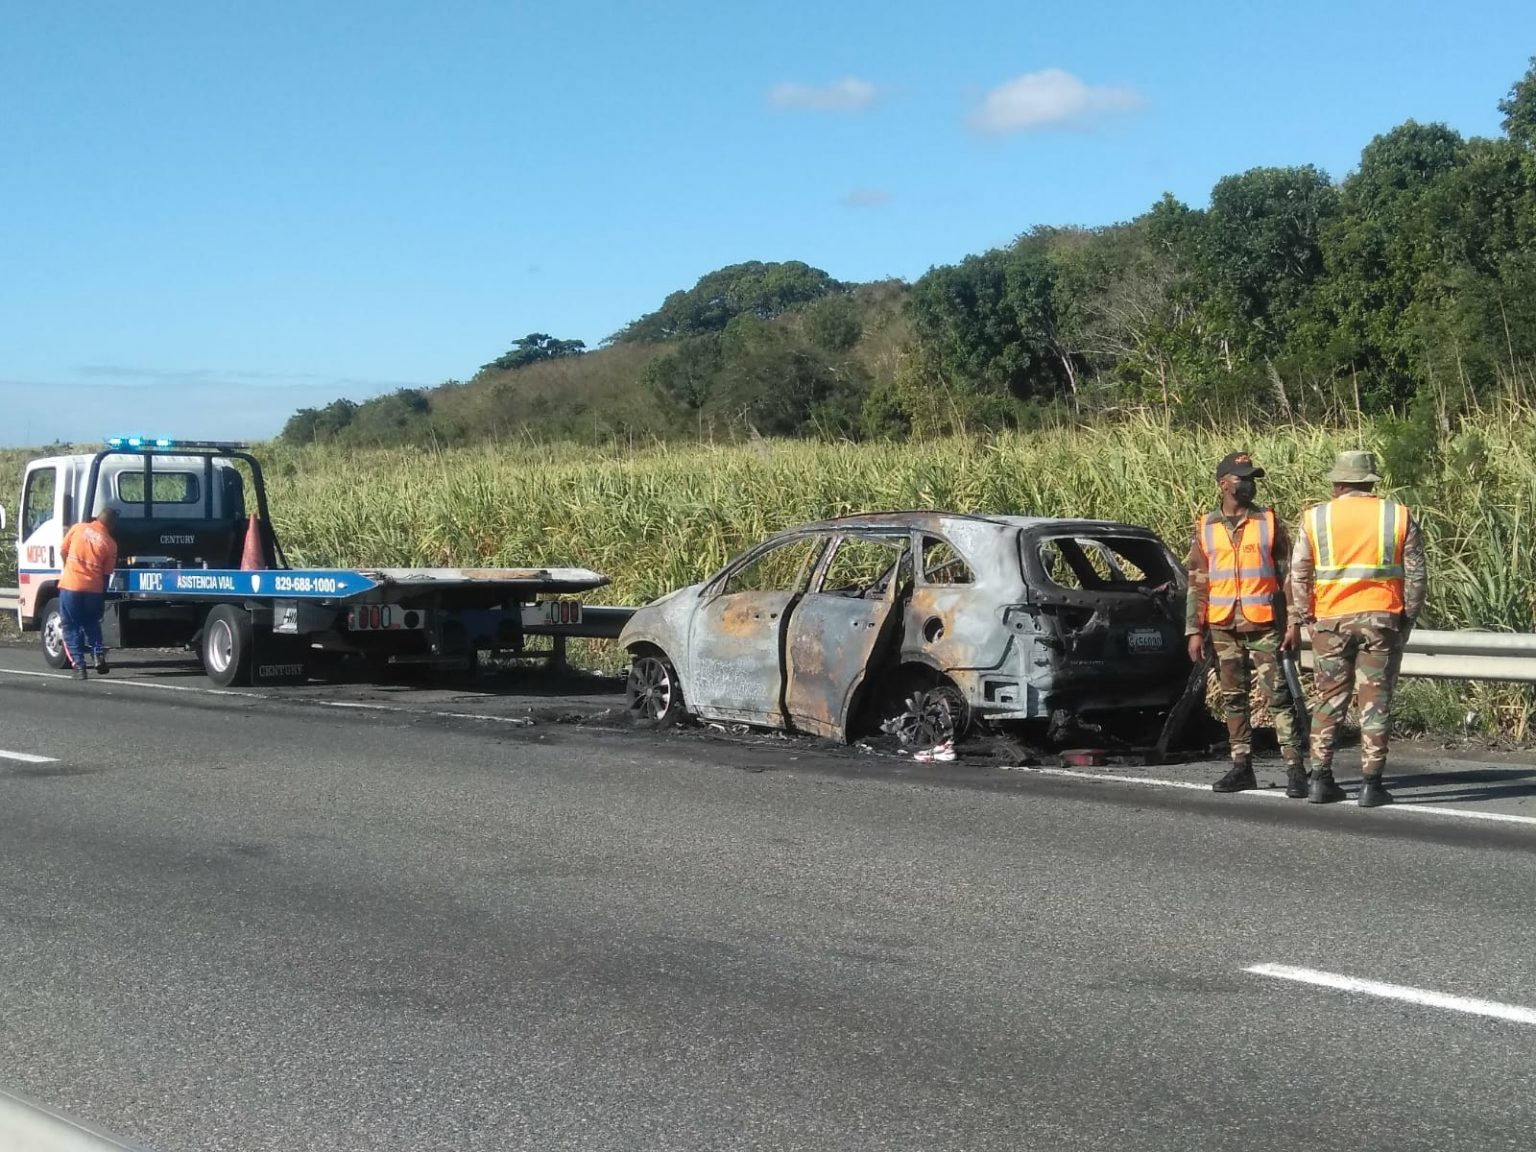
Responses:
[202,569]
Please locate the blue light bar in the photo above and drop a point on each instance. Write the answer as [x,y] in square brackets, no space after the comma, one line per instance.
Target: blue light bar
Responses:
[140,442]
[151,443]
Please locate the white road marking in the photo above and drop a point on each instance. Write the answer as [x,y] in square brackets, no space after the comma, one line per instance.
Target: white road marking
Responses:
[1264,793]
[356,705]
[1409,808]
[27,757]
[128,682]
[1424,996]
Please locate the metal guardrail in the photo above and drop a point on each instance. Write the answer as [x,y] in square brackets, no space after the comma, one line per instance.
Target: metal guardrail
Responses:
[1431,655]
[29,1127]
[9,598]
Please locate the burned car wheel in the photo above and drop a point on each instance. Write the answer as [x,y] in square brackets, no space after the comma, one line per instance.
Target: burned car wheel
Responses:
[925,715]
[652,692]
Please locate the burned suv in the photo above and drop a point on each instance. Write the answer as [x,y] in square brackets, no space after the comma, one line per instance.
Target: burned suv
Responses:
[918,624]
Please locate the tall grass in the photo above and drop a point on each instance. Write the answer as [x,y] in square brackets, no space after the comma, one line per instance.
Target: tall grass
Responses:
[669,515]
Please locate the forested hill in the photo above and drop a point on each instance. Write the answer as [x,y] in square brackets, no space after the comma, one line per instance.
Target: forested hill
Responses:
[1412,279]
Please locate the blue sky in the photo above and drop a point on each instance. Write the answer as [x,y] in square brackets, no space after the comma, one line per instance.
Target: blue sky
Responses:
[214,213]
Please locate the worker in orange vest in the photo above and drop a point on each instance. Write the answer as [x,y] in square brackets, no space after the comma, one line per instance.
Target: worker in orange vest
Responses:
[1359,577]
[1235,611]
[90,554]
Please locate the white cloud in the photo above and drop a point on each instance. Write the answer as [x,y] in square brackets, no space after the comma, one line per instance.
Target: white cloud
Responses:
[867,198]
[1050,99]
[847,95]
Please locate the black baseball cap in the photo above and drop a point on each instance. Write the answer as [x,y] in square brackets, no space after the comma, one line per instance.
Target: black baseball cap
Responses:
[1238,464]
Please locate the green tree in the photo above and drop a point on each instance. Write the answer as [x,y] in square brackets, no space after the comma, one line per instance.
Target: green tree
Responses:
[533,348]
[832,323]
[685,377]
[1519,109]
[1261,252]
[763,290]
[398,417]
[317,425]
[1383,251]
[987,324]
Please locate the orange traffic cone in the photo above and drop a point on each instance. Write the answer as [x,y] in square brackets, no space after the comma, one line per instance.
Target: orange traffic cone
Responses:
[253,558]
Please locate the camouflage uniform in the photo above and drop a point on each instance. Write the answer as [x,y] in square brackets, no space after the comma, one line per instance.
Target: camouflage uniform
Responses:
[1246,643]
[1360,652]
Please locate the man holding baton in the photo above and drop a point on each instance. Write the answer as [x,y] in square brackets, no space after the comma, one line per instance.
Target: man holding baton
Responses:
[1236,610]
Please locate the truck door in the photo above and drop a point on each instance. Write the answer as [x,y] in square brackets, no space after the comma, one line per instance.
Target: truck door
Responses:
[837,628]
[39,532]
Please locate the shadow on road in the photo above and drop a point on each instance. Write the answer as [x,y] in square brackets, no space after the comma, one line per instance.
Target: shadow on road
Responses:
[1472,785]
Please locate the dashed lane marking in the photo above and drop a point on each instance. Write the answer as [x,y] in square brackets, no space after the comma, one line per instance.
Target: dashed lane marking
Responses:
[27,757]
[1423,996]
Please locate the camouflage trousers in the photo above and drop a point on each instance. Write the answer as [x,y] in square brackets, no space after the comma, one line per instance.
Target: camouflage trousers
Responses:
[1359,656]
[1235,653]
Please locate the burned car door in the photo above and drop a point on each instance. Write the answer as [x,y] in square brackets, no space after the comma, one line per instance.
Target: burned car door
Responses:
[736,638]
[1110,601]
[944,597]
[840,626]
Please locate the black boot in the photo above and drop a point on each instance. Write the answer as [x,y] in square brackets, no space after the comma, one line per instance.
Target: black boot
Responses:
[1324,789]
[101,664]
[1372,794]
[1296,781]
[79,672]
[1238,779]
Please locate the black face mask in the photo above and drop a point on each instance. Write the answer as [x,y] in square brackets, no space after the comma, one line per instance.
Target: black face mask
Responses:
[1244,491]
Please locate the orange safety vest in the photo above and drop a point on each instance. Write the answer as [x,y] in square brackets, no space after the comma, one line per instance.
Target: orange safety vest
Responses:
[1241,569]
[1357,555]
[90,554]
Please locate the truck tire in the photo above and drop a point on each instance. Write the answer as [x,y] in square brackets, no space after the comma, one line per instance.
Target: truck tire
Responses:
[227,646]
[51,632]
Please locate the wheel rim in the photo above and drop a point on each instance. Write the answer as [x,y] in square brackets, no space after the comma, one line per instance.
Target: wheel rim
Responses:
[53,635]
[930,718]
[221,646]
[650,688]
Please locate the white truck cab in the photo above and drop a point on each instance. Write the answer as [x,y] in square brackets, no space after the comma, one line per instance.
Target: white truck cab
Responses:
[171,509]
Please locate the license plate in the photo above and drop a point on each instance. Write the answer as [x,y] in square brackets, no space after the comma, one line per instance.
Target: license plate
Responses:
[1144,640]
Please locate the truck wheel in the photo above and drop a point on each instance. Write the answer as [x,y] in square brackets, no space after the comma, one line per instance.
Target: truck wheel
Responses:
[54,651]
[654,696]
[227,646]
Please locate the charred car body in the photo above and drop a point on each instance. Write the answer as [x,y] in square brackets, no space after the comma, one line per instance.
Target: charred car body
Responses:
[918,623]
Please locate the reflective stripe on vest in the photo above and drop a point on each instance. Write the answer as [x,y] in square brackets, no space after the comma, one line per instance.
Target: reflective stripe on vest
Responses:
[1357,555]
[1241,570]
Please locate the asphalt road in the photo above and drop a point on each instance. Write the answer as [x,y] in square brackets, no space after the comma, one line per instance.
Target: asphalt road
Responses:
[245,922]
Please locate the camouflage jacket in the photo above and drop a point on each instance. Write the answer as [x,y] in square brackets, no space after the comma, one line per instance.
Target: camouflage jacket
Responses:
[1415,580]
[1200,582]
